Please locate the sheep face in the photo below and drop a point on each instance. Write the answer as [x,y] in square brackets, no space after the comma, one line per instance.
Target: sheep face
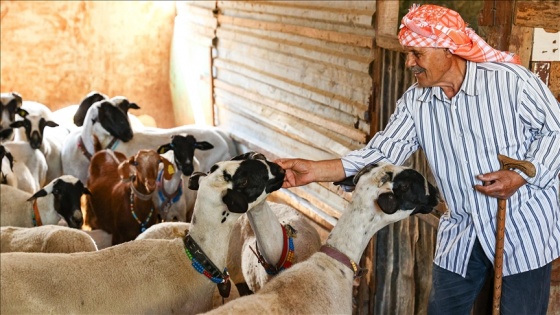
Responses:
[183,148]
[67,191]
[241,183]
[9,103]
[399,188]
[34,126]
[114,121]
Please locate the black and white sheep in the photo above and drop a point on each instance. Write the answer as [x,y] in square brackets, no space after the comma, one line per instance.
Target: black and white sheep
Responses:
[145,276]
[103,120]
[59,198]
[173,198]
[323,283]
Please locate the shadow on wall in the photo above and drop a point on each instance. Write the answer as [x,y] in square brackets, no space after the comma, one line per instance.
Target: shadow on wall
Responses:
[55,52]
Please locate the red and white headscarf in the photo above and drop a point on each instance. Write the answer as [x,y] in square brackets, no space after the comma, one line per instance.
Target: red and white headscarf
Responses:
[438,27]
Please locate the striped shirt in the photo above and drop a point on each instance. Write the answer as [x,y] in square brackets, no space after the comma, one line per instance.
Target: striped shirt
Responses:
[501,108]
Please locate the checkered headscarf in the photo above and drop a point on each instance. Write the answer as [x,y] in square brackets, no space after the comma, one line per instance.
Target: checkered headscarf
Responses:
[438,27]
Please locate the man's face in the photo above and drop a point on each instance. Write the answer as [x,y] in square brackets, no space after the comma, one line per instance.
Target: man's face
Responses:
[429,65]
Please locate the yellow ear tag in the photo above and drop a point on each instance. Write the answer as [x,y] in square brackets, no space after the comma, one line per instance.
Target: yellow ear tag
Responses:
[170,169]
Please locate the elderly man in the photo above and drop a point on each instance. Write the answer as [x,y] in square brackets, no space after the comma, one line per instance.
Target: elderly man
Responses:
[471,103]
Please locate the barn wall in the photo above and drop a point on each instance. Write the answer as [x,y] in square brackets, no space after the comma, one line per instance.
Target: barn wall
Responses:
[55,52]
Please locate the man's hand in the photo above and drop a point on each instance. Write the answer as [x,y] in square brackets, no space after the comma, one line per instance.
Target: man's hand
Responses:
[298,172]
[500,184]
[302,172]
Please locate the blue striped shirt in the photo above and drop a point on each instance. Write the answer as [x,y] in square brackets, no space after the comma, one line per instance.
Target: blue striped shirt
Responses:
[501,108]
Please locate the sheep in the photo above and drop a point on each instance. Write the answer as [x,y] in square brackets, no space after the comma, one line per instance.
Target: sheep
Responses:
[173,199]
[7,175]
[120,101]
[61,197]
[121,193]
[103,120]
[323,283]
[151,138]
[30,166]
[145,276]
[45,239]
[48,141]
[9,104]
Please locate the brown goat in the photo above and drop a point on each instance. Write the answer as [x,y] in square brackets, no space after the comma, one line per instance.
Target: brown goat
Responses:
[121,193]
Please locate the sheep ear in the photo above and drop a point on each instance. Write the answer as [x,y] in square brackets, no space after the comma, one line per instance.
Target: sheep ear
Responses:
[388,202]
[133,106]
[164,148]
[348,181]
[22,112]
[51,124]
[194,180]
[168,169]
[203,145]
[17,124]
[18,97]
[235,201]
[38,194]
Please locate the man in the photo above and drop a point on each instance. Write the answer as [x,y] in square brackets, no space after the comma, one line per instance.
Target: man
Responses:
[471,103]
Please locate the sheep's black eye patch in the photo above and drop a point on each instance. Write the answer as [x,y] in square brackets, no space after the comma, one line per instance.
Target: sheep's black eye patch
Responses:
[227,176]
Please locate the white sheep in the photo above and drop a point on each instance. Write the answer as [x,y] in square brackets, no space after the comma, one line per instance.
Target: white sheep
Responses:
[323,283]
[30,166]
[144,276]
[59,198]
[45,239]
[273,226]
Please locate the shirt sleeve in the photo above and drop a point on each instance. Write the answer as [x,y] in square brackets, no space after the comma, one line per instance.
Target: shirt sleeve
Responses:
[540,112]
[392,145]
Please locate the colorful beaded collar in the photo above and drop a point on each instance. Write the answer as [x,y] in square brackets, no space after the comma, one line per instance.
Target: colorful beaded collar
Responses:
[288,256]
[205,266]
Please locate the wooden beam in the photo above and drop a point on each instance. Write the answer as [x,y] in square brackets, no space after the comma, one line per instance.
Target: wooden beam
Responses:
[538,14]
[332,36]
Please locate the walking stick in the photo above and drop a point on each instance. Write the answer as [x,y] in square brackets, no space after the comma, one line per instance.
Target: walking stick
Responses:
[506,164]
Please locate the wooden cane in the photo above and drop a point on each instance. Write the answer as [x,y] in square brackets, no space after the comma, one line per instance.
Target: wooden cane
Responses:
[529,169]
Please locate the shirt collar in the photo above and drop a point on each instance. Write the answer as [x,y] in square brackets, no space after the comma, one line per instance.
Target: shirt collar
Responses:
[468,86]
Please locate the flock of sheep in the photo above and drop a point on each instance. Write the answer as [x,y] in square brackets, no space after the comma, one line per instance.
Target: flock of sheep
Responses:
[184,216]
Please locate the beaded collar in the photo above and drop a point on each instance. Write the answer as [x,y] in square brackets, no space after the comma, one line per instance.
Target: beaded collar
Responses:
[341,257]
[36,215]
[167,199]
[205,266]
[288,256]
[113,144]
[143,225]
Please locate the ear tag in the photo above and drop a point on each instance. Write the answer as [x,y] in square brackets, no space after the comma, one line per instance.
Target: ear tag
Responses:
[170,170]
